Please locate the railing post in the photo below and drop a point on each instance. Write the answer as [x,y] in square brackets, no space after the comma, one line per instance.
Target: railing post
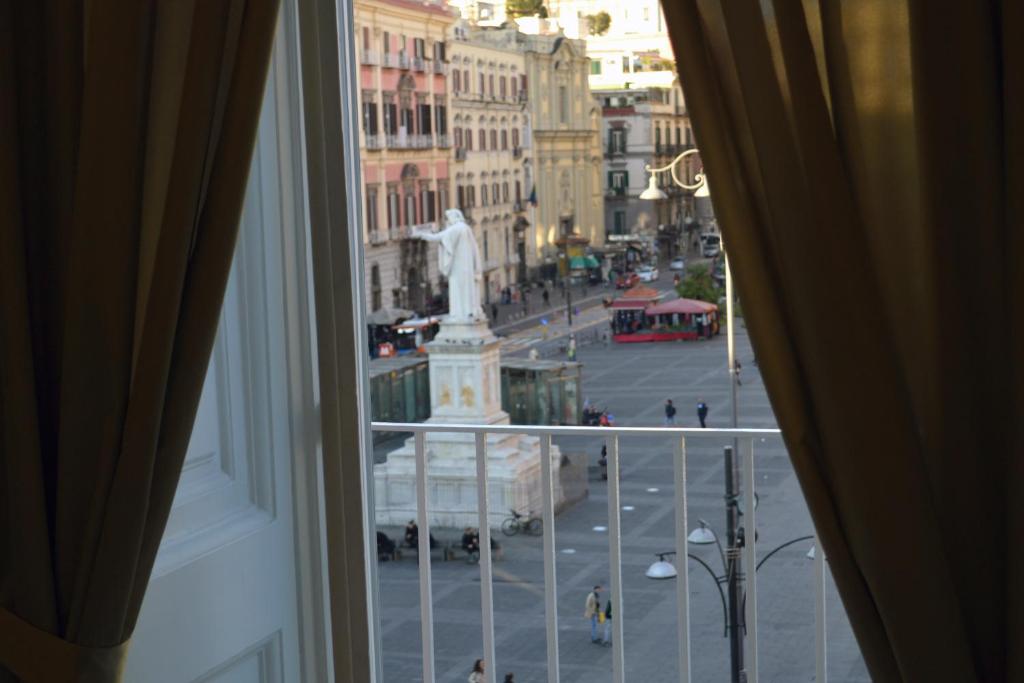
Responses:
[615,560]
[750,556]
[550,580]
[486,591]
[422,522]
[682,563]
[820,643]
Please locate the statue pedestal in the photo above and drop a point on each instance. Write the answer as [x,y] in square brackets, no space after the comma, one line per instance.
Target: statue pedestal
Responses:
[465,388]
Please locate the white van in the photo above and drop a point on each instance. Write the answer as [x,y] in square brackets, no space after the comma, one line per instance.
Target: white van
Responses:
[712,244]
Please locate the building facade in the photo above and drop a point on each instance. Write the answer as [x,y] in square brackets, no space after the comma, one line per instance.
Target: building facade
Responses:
[641,127]
[491,172]
[566,145]
[405,145]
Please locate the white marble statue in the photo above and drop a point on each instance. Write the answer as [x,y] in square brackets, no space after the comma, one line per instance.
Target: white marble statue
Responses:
[459,261]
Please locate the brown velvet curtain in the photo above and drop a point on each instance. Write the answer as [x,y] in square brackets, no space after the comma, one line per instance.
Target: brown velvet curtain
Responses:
[126,133]
[865,164]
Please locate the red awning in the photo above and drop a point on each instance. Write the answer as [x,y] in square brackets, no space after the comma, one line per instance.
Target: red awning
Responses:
[690,306]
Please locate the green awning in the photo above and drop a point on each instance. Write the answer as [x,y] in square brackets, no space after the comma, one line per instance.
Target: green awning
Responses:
[583,262]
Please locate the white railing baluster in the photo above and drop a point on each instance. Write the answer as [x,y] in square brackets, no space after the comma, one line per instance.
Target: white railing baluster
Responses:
[550,581]
[682,562]
[615,560]
[486,590]
[750,557]
[820,643]
[422,521]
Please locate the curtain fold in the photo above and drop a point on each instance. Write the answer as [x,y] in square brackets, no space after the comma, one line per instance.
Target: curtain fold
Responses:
[865,164]
[126,135]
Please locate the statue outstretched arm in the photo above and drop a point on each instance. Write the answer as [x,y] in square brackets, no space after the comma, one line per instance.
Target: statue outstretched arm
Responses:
[428,236]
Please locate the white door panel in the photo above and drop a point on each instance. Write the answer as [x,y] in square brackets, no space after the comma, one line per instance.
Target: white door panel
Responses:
[223,603]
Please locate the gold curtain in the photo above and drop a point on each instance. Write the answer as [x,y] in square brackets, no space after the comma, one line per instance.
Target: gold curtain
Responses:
[865,163]
[126,134]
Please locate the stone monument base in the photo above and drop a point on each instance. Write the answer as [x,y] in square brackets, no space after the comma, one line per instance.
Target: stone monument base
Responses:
[465,388]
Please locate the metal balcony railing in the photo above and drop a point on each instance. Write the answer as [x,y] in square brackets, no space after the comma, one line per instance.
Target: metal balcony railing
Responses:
[403,60]
[517,152]
[744,441]
[444,140]
[371,57]
[391,60]
[439,67]
[377,237]
[422,141]
[460,154]
[397,232]
[374,141]
[418,64]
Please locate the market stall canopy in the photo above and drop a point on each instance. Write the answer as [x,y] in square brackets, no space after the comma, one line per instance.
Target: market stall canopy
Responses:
[388,316]
[581,262]
[637,298]
[690,306]
[414,323]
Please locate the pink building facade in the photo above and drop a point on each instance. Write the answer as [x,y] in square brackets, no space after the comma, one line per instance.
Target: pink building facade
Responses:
[405,145]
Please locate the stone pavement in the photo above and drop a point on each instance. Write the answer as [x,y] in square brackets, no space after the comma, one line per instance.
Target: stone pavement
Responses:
[633,381]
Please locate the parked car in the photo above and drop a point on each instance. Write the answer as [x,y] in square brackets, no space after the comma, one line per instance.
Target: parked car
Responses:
[678,263]
[647,273]
[627,280]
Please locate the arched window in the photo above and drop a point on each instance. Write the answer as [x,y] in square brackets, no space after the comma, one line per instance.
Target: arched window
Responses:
[483,140]
[501,87]
[513,87]
[494,139]
[483,194]
[504,191]
[494,193]
[455,81]
[469,139]
[504,139]
[458,137]
[515,137]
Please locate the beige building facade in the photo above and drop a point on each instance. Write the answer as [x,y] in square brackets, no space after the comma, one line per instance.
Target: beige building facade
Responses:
[492,168]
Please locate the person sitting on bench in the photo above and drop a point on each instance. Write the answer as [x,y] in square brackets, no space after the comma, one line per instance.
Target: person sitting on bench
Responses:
[412,536]
[471,540]
[385,546]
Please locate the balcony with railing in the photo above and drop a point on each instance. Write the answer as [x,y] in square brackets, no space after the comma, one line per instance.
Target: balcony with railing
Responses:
[374,141]
[371,57]
[397,232]
[403,60]
[517,152]
[377,237]
[657,606]
[439,67]
[421,141]
[391,60]
[444,141]
[460,154]
[418,64]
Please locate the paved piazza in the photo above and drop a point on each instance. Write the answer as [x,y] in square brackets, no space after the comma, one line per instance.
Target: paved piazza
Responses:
[633,381]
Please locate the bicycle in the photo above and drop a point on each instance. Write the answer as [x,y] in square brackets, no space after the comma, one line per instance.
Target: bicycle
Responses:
[528,524]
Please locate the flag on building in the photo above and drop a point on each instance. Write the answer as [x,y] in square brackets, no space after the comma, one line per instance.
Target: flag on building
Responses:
[533,196]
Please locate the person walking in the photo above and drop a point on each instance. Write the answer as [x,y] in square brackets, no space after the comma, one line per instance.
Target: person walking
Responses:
[494,312]
[670,413]
[572,347]
[510,678]
[702,412]
[547,297]
[477,674]
[738,366]
[592,610]
[607,639]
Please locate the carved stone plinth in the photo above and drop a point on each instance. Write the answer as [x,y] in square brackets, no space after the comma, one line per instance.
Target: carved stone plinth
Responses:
[465,388]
